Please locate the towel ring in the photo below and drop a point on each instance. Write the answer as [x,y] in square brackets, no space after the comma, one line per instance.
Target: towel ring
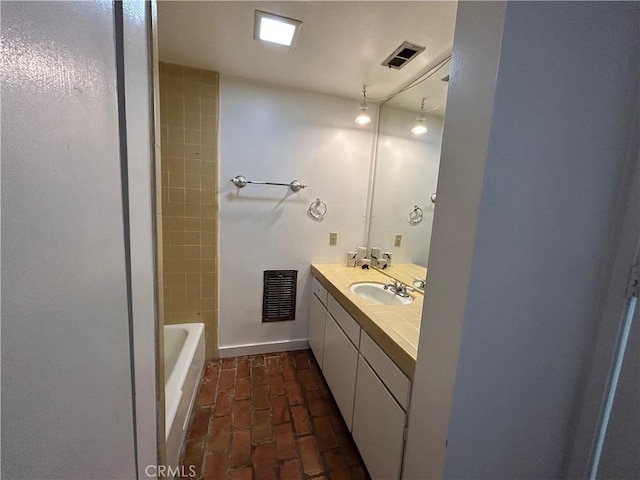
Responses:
[415,216]
[317,209]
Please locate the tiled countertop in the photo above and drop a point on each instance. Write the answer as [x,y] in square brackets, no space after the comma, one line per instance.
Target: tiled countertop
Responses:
[395,328]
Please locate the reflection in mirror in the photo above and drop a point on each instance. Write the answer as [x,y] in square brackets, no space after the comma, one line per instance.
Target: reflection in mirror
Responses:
[406,173]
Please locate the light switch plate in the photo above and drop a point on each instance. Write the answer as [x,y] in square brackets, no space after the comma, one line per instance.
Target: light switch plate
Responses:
[398,241]
[333,238]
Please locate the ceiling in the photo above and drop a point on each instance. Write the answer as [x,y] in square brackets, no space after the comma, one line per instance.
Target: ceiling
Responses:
[431,88]
[340,47]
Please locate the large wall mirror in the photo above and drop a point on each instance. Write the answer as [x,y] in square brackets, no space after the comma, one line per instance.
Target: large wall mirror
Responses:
[406,170]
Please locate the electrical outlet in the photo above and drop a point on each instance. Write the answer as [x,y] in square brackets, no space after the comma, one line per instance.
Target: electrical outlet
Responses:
[333,238]
[398,241]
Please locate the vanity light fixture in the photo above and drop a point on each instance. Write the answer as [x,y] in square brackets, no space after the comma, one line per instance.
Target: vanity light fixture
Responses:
[276,29]
[363,117]
[420,128]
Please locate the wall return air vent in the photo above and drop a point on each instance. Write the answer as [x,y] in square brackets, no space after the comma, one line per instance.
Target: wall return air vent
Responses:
[279,295]
[402,55]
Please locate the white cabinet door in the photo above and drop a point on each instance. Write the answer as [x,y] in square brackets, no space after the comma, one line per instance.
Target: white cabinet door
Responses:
[378,425]
[316,328]
[340,363]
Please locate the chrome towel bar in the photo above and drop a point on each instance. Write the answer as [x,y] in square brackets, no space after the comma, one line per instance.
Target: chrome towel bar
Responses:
[240,181]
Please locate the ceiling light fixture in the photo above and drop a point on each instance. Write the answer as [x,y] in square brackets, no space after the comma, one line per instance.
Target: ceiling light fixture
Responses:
[420,128]
[276,29]
[363,117]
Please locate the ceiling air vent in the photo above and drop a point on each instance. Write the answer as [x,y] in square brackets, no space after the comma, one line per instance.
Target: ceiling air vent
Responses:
[402,55]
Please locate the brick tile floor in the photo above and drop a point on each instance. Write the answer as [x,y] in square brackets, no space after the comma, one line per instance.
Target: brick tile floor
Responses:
[268,417]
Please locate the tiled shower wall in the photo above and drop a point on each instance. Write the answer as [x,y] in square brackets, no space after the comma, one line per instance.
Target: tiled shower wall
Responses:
[189,102]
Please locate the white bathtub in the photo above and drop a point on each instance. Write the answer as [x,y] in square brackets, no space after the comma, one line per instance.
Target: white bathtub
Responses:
[183,364]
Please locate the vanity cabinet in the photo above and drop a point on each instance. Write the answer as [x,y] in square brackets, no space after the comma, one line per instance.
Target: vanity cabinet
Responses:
[334,338]
[378,425]
[370,390]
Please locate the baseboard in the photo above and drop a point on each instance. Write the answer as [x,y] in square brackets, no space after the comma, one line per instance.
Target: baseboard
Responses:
[257,348]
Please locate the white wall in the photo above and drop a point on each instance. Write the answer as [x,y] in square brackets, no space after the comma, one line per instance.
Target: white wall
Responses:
[549,207]
[543,238]
[277,134]
[67,406]
[406,174]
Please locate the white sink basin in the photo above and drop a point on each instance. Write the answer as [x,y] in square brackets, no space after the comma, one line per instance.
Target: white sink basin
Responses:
[375,292]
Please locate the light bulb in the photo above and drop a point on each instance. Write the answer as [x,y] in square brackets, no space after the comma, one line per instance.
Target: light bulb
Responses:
[419,128]
[363,117]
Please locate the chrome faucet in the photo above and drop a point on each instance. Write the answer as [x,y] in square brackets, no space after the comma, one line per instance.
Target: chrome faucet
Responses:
[419,282]
[398,288]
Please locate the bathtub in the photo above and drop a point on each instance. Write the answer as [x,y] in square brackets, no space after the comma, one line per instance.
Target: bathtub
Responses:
[183,364]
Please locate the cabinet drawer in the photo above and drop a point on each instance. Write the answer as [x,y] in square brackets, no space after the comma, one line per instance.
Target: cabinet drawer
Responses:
[342,318]
[319,290]
[396,381]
